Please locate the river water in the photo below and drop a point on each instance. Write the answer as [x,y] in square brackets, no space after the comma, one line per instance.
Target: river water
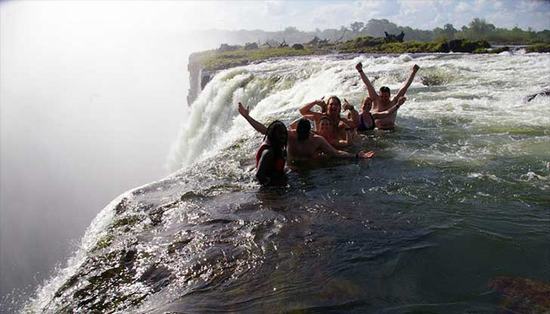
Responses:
[455,204]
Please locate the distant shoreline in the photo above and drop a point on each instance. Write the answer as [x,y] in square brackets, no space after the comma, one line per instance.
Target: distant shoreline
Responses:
[228,56]
[204,64]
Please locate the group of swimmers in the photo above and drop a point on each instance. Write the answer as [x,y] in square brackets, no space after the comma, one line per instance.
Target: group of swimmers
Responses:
[332,133]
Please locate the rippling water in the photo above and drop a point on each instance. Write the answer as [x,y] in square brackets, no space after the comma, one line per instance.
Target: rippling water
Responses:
[457,196]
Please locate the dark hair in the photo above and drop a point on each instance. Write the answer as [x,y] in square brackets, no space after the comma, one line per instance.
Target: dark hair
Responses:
[385,89]
[303,128]
[272,138]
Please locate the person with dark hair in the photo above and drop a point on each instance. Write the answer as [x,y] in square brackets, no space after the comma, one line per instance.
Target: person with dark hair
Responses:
[302,145]
[303,128]
[382,103]
[271,156]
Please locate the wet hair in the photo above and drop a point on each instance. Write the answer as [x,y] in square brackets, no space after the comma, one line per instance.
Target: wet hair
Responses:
[303,128]
[272,137]
[385,89]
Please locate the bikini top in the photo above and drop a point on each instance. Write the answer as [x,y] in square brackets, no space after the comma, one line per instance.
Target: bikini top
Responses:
[279,161]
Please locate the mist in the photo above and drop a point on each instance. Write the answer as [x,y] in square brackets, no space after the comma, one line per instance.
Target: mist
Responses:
[88,111]
[93,95]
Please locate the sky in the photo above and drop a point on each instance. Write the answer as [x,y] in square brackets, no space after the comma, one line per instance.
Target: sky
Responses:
[277,15]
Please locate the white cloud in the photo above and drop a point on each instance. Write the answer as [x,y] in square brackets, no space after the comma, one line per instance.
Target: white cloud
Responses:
[462,7]
[275,8]
[276,15]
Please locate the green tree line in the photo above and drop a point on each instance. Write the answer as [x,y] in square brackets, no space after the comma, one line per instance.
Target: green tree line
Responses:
[477,29]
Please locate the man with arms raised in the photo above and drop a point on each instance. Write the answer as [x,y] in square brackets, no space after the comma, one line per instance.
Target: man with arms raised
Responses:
[382,102]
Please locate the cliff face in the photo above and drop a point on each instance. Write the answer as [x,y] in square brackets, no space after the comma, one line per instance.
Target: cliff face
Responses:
[198,77]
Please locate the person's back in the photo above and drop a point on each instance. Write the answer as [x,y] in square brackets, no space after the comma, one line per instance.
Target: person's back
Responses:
[301,144]
[303,149]
[304,145]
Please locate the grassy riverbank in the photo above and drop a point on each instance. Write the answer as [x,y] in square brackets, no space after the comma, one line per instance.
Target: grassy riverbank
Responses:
[213,60]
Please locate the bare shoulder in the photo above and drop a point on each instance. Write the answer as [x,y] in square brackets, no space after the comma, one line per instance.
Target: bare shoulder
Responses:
[292,134]
[318,140]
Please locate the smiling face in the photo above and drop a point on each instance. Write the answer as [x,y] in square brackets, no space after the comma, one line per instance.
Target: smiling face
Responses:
[334,106]
[325,128]
[385,94]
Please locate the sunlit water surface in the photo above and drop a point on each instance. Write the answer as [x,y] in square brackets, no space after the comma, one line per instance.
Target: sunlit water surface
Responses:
[456,197]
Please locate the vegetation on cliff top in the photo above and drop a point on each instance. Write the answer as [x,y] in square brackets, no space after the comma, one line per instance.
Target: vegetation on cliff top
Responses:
[232,56]
[362,37]
[215,60]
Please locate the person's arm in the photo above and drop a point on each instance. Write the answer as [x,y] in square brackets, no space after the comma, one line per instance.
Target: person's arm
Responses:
[346,141]
[382,114]
[265,165]
[405,87]
[370,88]
[255,124]
[366,104]
[331,151]
[353,115]
[306,109]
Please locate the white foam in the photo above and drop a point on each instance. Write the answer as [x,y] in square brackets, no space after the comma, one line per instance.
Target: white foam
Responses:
[486,90]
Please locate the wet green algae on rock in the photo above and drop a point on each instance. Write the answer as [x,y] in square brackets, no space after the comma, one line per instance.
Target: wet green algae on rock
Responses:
[522,295]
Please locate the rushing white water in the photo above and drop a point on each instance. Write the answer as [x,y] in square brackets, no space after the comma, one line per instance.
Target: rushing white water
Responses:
[466,138]
[481,90]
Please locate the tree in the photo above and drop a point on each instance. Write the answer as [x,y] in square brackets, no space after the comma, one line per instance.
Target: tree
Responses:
[343,31]
[377,28]
[449,31]
[356,27]
[291,29]
[480,29]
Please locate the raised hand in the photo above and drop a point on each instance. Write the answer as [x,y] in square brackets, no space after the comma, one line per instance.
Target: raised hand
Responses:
[346,105]
[242,110]
[359,67]
[321,103]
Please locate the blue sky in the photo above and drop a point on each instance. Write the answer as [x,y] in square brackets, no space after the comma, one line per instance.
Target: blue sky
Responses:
[276,15]
[422,14]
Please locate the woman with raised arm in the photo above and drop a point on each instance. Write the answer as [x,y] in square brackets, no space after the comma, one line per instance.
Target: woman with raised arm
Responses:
[271,156]
[302,145]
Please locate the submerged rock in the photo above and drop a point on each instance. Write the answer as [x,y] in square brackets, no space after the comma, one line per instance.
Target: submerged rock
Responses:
[523,295]
[545,92]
